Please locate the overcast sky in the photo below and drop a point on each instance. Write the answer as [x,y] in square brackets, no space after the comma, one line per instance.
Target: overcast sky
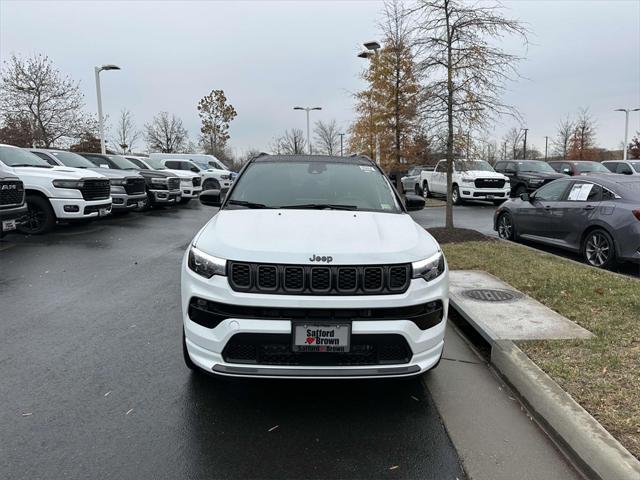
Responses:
[269,56]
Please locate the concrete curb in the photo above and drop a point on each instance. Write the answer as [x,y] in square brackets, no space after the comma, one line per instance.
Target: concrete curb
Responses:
[597,453]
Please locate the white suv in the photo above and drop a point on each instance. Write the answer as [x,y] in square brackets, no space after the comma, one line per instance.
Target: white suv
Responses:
[312,268]
[55,194]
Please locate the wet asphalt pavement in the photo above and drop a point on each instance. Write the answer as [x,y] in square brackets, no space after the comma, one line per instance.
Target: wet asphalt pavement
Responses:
[94,386]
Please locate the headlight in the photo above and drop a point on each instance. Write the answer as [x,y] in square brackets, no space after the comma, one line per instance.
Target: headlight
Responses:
[118,182]
[225,177]
[467,180]
[429,268]
[68,183]
[206,265]
[159,181]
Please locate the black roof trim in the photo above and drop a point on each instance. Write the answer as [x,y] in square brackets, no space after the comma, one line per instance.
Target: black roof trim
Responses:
[353,159]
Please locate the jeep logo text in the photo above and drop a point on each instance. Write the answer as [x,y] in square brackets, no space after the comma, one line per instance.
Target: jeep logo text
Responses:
[317,258]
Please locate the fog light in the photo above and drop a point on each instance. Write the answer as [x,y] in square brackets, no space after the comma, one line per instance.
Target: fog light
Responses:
[118,201]
[466,192]
[71,208]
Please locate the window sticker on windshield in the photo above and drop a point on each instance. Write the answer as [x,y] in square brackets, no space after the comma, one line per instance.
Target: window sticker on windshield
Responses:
[385,206]
[366,168]
[580,192]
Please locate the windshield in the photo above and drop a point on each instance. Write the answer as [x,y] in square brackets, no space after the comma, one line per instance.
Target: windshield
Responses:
[122,163]
[314,185]
[585,167]
[16,157]
[70,159]
[636,166]
[470,165]
[155,163]
[534,166]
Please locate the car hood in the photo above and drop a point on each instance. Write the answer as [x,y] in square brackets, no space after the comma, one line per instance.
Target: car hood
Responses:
[115,173]
[482,174]
[66,173]
[542,176]
[294,236]
[154,173]
[180,173]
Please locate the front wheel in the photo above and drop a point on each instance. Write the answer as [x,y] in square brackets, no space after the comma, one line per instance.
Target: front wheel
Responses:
[455,195]
[40,216]
[211,184]
[598,249]
[425,190]
[417,190]
[506,230]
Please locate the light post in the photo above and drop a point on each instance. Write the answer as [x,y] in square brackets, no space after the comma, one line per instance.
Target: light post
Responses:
[524,152]
[372,48]
[626,127]
[308,109]
[546,142]
[97,70]
[341,137]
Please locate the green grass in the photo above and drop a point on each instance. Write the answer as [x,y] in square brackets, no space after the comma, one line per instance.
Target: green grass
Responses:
[603,373]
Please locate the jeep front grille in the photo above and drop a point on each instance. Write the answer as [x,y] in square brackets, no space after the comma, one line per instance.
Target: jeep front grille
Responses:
[319,280]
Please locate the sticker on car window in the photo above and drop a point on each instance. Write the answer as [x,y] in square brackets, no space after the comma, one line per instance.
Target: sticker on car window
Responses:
[366,168]
[385,206]
[580,192]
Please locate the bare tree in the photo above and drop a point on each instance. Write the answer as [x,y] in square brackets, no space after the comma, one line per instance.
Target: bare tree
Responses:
[465,69]
[33,88]
[564,132]
[327,137]
[126,132]
[583,139]
[293,142]
[166,133]
[513,139]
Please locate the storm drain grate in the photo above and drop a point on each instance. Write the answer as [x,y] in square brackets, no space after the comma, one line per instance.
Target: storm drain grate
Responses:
[491,295]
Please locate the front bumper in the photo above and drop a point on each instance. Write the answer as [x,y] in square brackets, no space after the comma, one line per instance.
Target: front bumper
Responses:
[164,197]
[473,193]
[13,213]
[78,209]
[128,202]
[189,191]
[205,345]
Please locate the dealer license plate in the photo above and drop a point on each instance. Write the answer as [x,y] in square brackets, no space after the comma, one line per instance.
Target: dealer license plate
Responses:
[103,212]
[8,225]
[321,338]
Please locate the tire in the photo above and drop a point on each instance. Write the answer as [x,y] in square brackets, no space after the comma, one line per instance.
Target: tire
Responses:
[417,190]
[40,216]
[425,190]
[506,228]
[598,249]
[211,184]
[455,196]
[520,189]
[184,200]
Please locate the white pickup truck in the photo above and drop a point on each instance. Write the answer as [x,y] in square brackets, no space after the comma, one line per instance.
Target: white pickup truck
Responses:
[472,180]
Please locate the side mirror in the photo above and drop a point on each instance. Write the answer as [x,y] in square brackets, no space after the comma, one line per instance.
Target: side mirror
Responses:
[628,172]
[212,198]
[567,171]
[195,169]
[413,202]
[526,197]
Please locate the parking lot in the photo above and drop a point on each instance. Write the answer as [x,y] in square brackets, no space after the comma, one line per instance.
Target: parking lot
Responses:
[96,385]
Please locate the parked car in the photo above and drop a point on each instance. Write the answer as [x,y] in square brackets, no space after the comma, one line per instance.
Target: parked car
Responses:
[624,167]
[597,216]
[578,167]
[214,174]
[472,180]
[128,189]
[526,176]
[162,188]
[55,194]
[12,202]
[411,181]
[313,269]
[190,182]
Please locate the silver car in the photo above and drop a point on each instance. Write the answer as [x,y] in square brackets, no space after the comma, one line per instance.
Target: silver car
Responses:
[596,216]
[411,181]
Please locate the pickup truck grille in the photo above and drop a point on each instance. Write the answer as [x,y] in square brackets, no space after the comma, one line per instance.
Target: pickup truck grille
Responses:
[489,182]
[173,183]
[197,181]
[11,193]
[319,280]
[135,185]
[98,189]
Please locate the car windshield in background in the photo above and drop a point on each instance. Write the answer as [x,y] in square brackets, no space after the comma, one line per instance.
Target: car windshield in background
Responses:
[70,159]
[155,163]
[312,185]
[16,157]
[471,165]
[586,167]
[536,167]
[636,166]
[122,163]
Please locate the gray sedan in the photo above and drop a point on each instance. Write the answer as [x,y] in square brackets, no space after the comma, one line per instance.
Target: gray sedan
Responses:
[597,216]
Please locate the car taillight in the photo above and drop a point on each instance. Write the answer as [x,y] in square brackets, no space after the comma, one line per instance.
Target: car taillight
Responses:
[636,213]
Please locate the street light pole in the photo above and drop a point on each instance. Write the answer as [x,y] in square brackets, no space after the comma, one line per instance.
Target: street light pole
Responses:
[546,141]
[371,51]
[524,153]
[626,128]
[308,109]
[97,71]
[341,137]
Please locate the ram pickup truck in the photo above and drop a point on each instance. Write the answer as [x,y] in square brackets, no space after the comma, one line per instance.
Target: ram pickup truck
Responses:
[214,174]
[55,194]
[12,205]
[526,176]
[190,182]
[162,188]
[472,180]
[128,189]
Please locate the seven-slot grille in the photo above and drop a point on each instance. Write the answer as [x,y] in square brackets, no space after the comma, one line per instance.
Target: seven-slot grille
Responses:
[173,183]
[134,185]
[319,280]
[96,189]
[489,182]
[11,193]
[197,181]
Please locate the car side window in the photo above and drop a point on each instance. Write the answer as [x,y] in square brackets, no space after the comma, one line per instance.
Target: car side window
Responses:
[623,168]
[553,192]
[565,168]
[441,167]
[172,164]
[46,158]
[511,167]
[499,167]
[611,166]
[585,192]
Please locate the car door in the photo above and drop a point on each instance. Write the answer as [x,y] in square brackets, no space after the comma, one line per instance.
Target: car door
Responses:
[539,218]
[576,211]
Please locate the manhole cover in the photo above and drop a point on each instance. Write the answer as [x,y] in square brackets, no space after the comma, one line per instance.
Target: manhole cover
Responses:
[491,295]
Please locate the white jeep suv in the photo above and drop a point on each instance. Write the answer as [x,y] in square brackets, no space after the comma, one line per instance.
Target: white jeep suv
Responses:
[312,268]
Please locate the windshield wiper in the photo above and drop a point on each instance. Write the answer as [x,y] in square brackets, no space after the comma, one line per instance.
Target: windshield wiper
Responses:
[244,203]
[322,206]
[30,165]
